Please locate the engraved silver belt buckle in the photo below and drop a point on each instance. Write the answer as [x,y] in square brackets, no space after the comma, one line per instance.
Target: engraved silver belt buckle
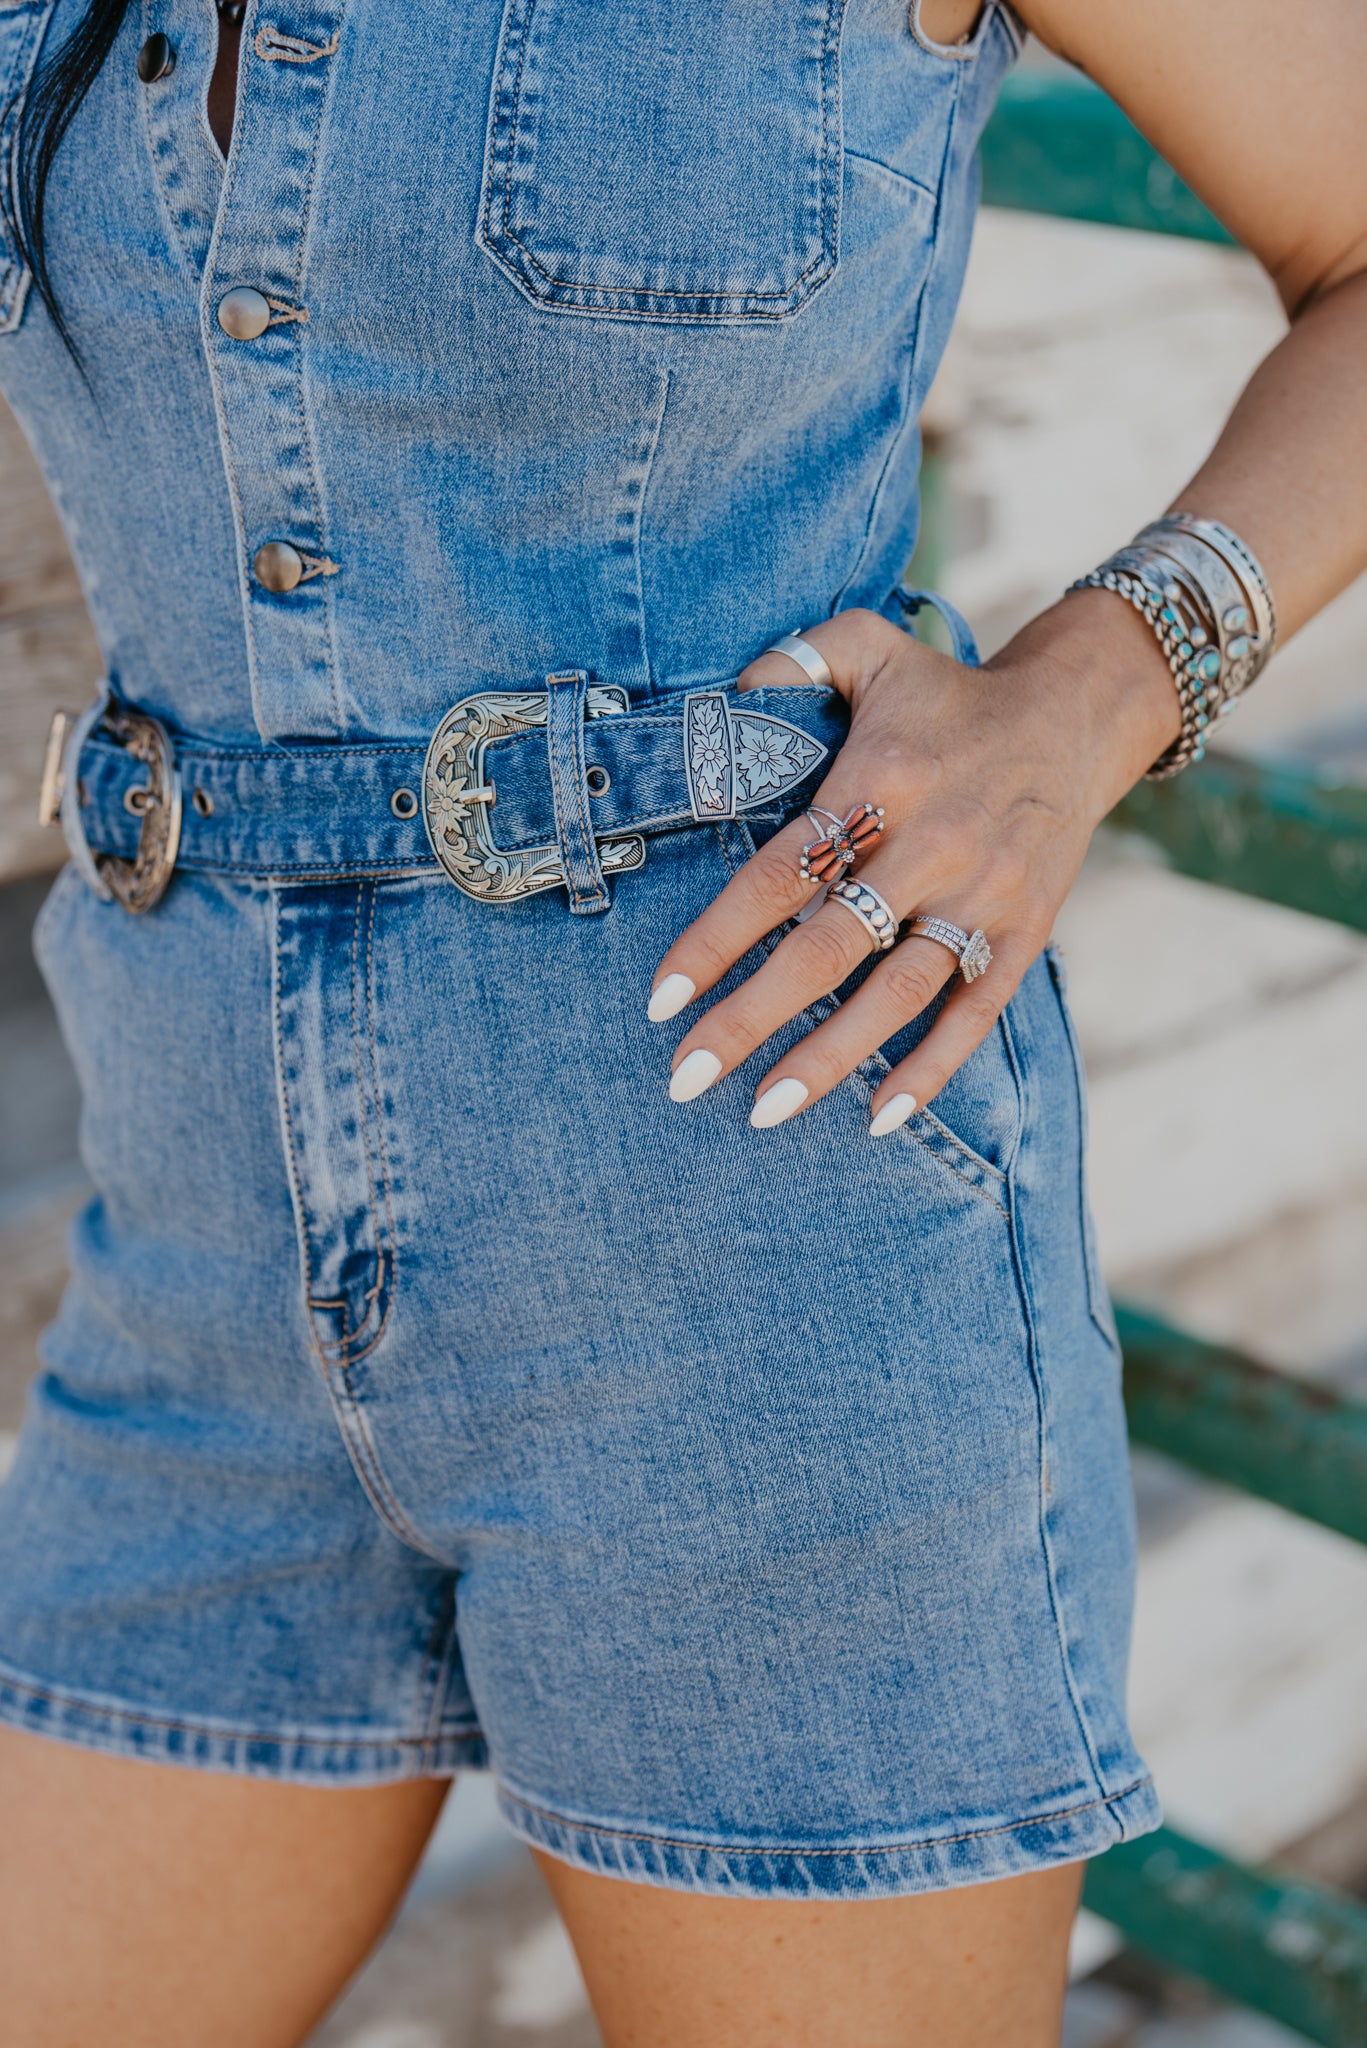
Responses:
[457,800]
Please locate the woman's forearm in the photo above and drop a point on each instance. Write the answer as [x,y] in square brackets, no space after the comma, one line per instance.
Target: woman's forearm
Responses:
[1289,475]
[1289,472]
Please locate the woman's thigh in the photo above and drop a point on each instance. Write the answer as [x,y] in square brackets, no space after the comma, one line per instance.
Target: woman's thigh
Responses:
[980,1967]
[142,1904]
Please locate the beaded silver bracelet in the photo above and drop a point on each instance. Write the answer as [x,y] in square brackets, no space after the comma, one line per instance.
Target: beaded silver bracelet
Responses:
[1206,598]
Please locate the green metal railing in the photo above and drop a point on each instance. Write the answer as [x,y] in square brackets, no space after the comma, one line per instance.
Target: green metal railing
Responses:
[1287,1948]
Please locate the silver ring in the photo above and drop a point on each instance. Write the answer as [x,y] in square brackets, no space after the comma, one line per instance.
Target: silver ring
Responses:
[874,912]
[805,655]
[970,949]
[839,842]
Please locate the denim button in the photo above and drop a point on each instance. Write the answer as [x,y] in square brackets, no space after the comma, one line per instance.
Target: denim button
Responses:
[156,59]
[243,313]
[278,566]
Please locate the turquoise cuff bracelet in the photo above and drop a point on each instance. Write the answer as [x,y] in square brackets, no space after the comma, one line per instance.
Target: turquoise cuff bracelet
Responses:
[1206,598]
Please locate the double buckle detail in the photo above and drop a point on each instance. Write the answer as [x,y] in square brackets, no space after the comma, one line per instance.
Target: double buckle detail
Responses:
[140,883]
[456,799]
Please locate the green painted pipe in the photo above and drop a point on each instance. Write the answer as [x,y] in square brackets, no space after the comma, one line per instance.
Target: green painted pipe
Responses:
[1272,1941]
[1057,144]
[1286,834]
[1289,1441]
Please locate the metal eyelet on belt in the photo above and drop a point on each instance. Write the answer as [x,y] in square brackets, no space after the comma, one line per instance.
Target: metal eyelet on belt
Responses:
[404,804]
[598,781]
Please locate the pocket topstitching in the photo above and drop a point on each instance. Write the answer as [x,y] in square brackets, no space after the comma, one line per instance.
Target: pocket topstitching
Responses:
[665,163]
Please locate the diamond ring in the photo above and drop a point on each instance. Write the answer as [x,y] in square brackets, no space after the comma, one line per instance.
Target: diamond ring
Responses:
[970,949]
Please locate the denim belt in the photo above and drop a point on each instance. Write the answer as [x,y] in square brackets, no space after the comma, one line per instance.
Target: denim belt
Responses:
[515,791]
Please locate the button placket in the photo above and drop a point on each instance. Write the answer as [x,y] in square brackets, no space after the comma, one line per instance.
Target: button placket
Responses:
[254,322]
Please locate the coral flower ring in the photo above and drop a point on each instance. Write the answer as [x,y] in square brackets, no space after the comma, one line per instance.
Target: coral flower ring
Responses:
[841,842]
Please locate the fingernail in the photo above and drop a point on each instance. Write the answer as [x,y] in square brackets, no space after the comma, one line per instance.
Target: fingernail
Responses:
[669,998]
[779,1102]
[693,1075]
[892,1115]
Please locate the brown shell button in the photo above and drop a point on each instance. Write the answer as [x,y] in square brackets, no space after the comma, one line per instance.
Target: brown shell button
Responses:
[277,566]
[156,59]
[243,313]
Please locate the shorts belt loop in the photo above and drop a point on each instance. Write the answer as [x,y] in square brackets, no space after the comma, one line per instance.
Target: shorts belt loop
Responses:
[567,694]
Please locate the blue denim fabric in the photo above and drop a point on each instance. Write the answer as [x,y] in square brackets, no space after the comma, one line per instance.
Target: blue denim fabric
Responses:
[430,1390]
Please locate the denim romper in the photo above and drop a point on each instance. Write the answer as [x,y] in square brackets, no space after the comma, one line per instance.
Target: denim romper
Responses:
[430,1390]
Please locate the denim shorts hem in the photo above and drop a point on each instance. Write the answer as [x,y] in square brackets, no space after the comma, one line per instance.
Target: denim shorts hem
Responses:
[301,1755]
[942,1862]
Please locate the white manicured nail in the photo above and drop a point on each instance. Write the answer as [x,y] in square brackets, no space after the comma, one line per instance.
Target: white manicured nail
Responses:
[696,1073]
[779,1102]
[670,997]
[892,1115]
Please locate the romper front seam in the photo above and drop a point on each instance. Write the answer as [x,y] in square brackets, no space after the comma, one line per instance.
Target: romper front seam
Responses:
[352,1422]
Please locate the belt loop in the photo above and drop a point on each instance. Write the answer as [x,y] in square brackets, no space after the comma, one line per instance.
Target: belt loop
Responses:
[960,632]
[567,696]
[72,826]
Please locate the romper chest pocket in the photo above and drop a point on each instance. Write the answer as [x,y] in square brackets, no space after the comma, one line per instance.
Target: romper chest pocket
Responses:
[666,159]
[22,23]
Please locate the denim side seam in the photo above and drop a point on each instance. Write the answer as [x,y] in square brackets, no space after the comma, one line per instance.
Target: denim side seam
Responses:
[1021,1270]
[1098,1299]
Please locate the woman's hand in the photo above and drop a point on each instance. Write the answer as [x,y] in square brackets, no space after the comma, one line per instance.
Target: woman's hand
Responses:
[992,781]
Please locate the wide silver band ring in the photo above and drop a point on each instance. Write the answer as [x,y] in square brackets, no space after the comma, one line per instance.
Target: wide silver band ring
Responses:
[874,912]
[970,949]
[805,655]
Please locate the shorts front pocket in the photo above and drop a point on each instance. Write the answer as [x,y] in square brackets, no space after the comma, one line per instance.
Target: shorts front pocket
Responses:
[660,162]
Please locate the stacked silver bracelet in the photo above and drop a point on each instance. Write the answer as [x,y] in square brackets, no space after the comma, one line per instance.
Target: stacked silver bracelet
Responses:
[1208,601]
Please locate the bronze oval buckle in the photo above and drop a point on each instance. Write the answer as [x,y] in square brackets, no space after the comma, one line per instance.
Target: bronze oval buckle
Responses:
[140,883]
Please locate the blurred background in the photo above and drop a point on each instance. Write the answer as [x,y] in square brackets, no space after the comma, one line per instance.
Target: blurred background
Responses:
[1224,1037]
